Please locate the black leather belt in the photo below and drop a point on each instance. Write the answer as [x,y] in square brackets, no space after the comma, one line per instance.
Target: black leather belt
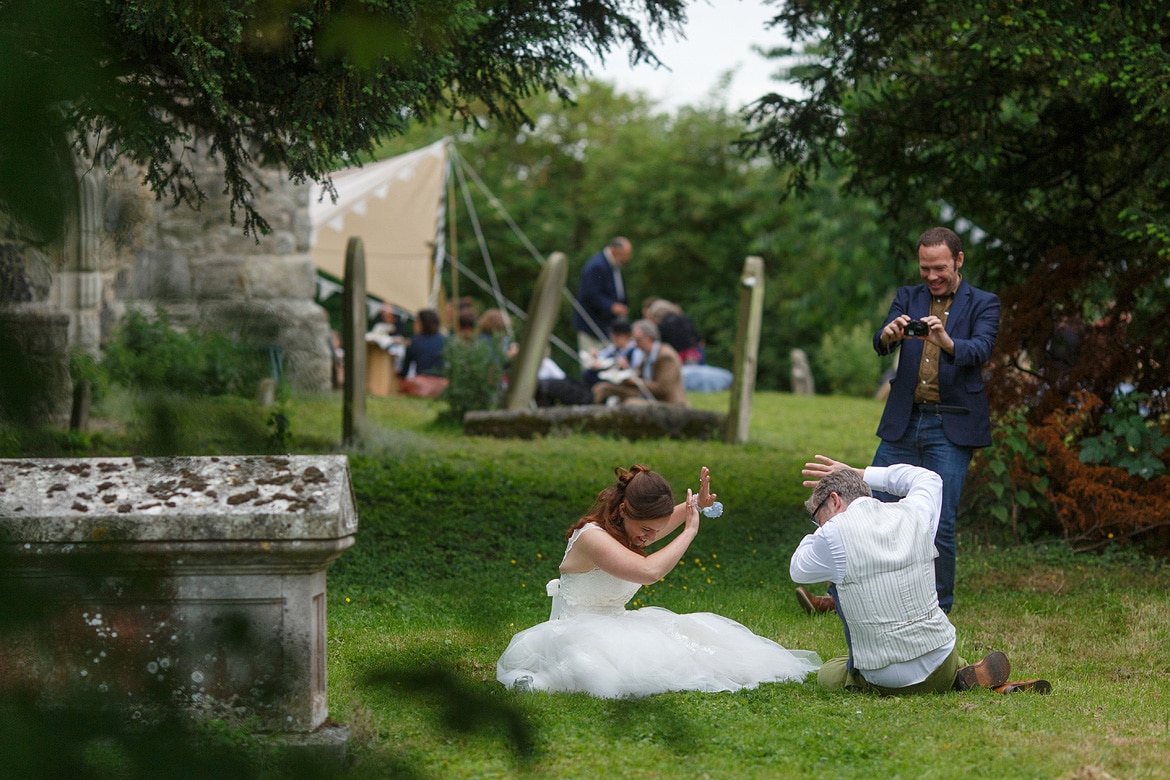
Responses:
[941,409]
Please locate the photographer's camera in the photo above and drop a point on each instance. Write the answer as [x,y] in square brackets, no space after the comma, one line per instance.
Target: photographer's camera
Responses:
[916,328]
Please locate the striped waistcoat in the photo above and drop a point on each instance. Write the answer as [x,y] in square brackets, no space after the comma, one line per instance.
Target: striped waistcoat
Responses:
[887,596]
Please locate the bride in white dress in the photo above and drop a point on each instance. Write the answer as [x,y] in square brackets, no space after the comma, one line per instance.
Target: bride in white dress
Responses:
[592,643]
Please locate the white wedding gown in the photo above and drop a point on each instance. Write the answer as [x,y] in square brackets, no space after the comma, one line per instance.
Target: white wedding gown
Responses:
[592,643]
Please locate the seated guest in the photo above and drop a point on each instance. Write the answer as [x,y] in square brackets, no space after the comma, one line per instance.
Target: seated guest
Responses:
[548,368]
[657,377]
[493,327]
[677,330]
[386,333]
[384,327]
[555,388]
[461,317]
[618,354]
[465,327]
[424,354]
[702,378]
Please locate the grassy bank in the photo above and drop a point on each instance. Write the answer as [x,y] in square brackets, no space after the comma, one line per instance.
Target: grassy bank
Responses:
[459,535]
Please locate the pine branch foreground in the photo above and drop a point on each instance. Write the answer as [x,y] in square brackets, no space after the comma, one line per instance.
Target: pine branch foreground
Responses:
[299,84]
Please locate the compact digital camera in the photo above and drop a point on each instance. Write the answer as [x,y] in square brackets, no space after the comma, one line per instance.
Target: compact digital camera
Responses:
[916,328]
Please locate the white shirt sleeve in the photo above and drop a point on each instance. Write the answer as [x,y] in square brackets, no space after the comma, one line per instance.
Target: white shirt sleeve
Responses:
[921,487]
[820,557]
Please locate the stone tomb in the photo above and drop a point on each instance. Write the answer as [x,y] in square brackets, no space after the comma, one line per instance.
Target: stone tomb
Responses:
[189,583]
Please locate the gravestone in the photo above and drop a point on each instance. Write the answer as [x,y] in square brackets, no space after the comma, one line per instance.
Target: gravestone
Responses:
[195,584]
[542,316]
[34,355]
[802,376]
[747,350]
[353,339]
[82,397]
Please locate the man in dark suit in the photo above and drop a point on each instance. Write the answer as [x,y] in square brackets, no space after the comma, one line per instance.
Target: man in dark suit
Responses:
[601,296]
[936,415]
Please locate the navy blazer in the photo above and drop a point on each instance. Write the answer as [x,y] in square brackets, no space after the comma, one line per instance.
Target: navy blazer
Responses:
[596,293]
[974,325]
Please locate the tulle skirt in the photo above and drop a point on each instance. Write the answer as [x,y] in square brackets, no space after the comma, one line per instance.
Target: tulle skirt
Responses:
[645,651]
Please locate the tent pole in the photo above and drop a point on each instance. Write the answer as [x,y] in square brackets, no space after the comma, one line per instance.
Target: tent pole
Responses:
[452,246]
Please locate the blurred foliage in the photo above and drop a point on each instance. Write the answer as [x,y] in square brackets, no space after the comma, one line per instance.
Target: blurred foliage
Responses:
[84,366]
[850,364]
[299,85]
[1007,489]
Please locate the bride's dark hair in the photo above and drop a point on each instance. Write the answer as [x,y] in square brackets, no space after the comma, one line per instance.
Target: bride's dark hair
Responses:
[647,496]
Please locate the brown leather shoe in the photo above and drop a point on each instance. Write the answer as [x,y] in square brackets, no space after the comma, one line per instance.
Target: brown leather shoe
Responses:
[1024,686]
[991,672]
[814,605]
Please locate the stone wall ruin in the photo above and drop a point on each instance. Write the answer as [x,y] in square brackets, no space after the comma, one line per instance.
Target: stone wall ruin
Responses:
[128,249]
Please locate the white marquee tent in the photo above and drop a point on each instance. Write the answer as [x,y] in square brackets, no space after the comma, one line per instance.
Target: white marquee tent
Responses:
[398,208]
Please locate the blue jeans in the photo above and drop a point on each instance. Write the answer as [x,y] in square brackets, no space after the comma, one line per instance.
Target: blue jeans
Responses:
[844,626]
[925,444]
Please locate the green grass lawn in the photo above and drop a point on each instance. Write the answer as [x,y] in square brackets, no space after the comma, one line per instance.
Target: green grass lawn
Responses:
[458,536]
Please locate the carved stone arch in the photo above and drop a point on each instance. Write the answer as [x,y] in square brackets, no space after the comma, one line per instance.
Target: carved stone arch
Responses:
[78,278]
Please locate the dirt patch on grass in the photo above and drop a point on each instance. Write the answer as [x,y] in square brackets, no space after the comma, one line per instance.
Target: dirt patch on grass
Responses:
[1038,579]
[1088,773]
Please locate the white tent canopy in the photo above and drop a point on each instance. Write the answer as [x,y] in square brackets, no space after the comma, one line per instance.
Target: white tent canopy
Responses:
[398,208]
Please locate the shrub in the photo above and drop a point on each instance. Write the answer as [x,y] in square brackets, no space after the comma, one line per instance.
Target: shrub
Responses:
[166,423]
[279,430]
[848,362]
[1096,504]
[1009,484]
[149,354]
[475,374]
[1094,500]
[1128,439]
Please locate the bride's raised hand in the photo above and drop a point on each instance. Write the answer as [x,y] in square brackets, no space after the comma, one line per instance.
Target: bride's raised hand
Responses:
[692,507]
[706,497]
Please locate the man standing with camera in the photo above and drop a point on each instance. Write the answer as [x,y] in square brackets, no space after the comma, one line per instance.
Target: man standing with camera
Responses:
[936,415]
